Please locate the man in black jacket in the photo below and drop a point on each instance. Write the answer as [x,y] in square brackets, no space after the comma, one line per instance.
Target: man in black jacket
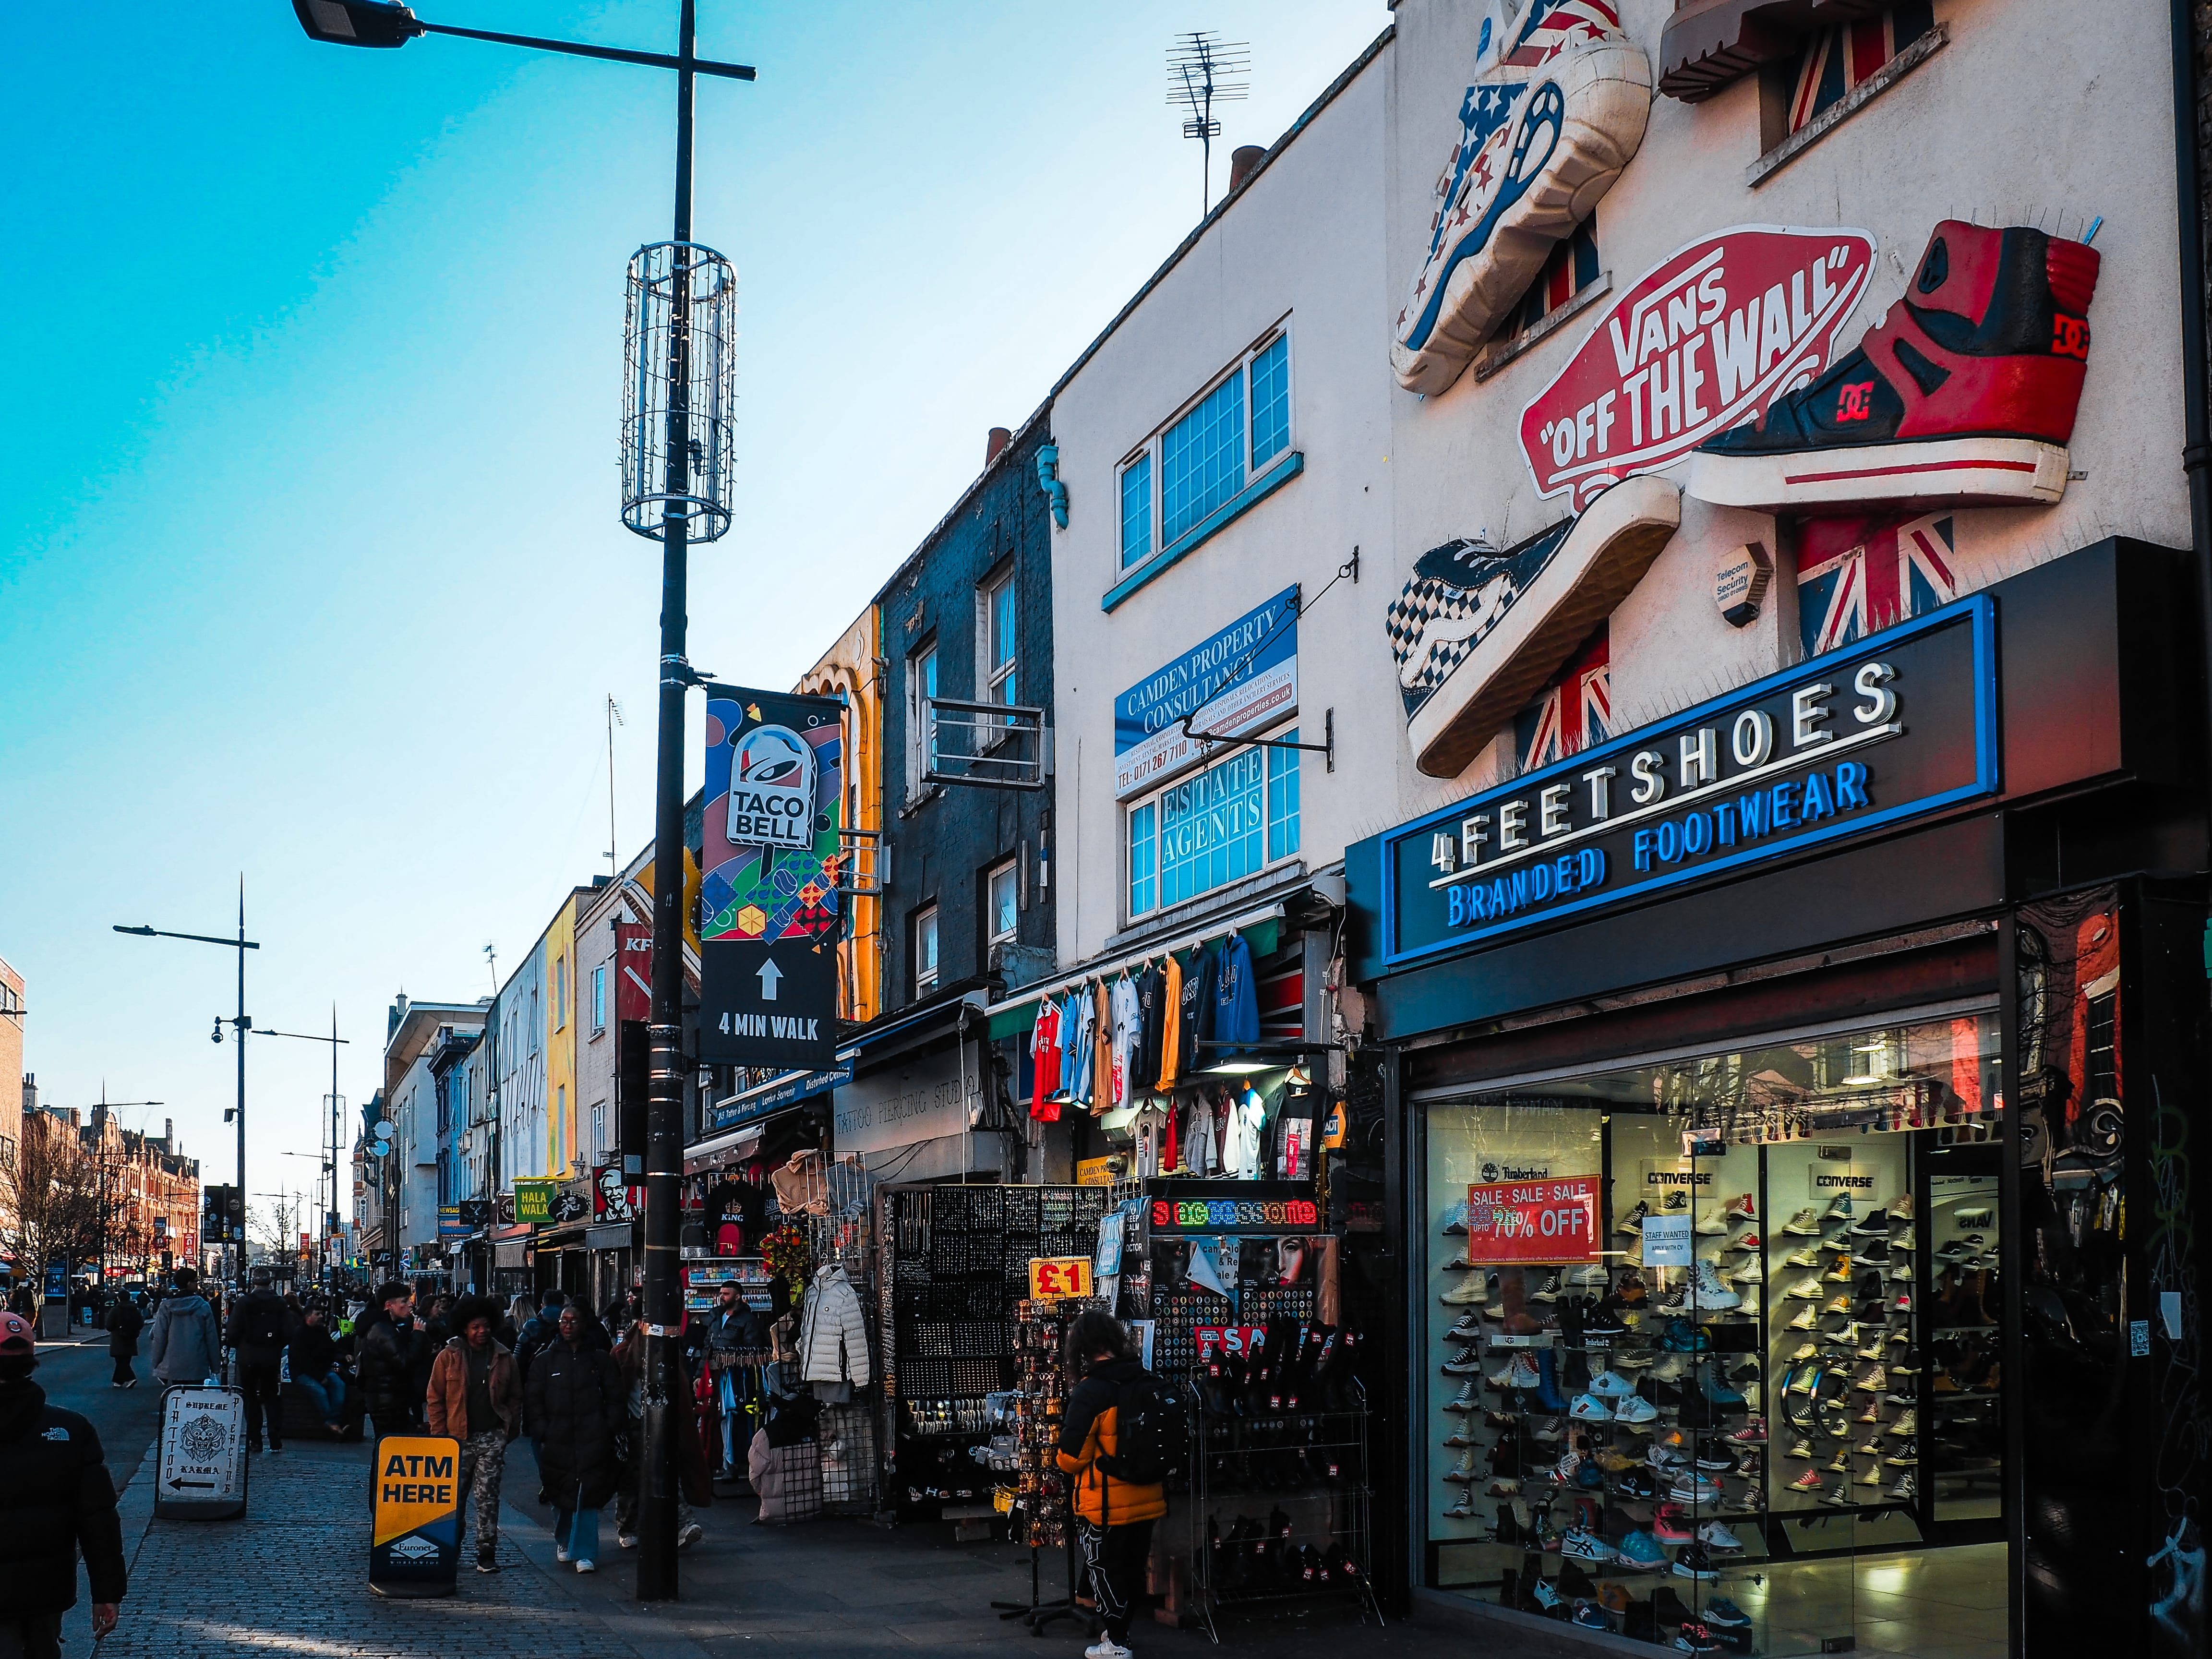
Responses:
[392,1342]
[260,1326]
[55,1499]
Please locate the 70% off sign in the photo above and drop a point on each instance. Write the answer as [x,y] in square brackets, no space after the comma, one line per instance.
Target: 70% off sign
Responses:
[1532,1220]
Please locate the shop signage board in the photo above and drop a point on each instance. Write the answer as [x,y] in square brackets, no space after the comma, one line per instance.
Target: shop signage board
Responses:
[1230,1338]
[1056,1276]
[633,971]
[1239,681]
[928,1100]
[1233,1206]
[771,856]
[758,1103]
[201,1474]
[614,1197]
[1547,1221]
[1702,342]
[1899,726]
[415,1540]
[1094,1172]
[534,1201]
[1668,1241]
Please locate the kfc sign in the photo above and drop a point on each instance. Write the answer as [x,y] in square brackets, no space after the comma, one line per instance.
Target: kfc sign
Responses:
[1701,343]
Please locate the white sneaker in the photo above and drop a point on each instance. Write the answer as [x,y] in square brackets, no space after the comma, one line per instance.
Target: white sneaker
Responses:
[1611,1385]
[1105,1648]
[690,1535]
[560,1552]
[627,1540]
[1715,1536]
[588,1566]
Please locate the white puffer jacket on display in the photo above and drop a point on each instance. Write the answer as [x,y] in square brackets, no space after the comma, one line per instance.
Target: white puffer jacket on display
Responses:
[833,1339]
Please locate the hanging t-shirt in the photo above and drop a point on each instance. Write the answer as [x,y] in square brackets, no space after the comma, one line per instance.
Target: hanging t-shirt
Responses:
[1171,1148]
[1044,1053]
[1240,1151]
[1102,1048]
[1171,1025]
[1203,1152]
[1152,1013]
[1128,1033]
[1075,1047]
[1196,1020]
[1236,998]
[1294,1137]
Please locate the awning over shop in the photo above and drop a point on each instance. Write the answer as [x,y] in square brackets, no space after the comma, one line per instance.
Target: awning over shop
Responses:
[610,1236]
[734,1147]
[763,1101]
[1262,931]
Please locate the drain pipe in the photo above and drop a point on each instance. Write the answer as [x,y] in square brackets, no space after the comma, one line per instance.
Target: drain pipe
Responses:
[2196,444]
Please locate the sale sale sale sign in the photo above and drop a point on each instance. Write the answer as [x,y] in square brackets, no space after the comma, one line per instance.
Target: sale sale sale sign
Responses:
[1547,1221]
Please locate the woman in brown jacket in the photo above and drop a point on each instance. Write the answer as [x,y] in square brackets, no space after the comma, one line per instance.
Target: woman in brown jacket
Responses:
[475,1396]
[1113,1516]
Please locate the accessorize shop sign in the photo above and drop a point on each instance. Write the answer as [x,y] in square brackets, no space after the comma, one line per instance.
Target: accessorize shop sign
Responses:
[1532,1220]
[1702,342]
[1241,680]
[1901,725]
[1233,1206]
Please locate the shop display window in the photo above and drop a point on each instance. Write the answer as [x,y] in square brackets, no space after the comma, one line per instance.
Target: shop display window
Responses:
[1714,1341]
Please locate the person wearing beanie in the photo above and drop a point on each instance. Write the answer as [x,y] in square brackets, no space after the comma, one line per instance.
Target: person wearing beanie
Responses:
[56,1500]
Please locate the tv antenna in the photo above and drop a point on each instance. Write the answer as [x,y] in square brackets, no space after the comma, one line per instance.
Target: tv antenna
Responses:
[1203,69]
[614,719]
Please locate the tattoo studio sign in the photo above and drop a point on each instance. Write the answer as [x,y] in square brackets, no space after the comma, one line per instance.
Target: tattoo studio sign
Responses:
[1701,342]
[1898,725]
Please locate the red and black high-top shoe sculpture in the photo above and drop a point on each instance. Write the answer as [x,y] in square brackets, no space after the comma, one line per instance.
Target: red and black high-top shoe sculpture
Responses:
[1963,393]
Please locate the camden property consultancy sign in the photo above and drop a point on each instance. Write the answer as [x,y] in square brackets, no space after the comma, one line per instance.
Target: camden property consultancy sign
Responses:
[1892,726]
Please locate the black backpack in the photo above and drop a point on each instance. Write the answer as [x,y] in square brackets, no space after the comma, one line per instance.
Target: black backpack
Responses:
[1151,1436]
[261,1322]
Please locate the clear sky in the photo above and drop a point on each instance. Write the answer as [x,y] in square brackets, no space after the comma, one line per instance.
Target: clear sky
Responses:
[310,561]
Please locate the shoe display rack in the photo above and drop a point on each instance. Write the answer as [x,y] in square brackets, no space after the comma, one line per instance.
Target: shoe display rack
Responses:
[1964,1442]
[1280,1494]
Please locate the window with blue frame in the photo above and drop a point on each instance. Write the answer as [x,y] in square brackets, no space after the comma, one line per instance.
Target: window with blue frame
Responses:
[1203,459]
[1227,821]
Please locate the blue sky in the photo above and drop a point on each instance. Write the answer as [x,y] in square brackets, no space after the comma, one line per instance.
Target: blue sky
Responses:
[310,564]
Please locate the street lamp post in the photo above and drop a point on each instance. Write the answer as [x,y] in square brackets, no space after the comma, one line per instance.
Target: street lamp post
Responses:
[240,1025]
[386,24]
[330,1166]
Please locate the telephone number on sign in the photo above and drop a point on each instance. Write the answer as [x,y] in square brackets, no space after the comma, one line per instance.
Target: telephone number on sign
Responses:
[1235,1212]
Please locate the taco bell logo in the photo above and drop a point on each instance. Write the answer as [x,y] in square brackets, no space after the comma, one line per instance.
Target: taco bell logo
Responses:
[772,788]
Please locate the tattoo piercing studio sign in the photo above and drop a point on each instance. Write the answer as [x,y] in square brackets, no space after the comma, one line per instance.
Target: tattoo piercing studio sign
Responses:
[1703,341]
[1897,725]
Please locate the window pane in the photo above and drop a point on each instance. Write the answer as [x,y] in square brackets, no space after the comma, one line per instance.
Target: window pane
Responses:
[1003,902]
[1283,800]
[1271,403]
[1202,459]
[1142,856]
[1136,510]
[1210,828]
[1002,624]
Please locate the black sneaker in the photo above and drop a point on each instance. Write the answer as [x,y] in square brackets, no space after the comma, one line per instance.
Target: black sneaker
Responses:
[487,1564]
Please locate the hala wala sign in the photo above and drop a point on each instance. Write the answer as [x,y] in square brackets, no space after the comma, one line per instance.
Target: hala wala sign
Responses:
[1703,341]
[1899,726]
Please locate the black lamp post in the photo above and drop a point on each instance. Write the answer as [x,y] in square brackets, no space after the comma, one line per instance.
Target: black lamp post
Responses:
[383,23]
[331,1160]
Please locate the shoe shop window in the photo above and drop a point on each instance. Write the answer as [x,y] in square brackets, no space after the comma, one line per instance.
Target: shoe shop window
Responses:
[1712,1345]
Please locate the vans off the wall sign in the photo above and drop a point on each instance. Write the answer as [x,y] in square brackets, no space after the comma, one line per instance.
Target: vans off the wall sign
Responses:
[1703,341]
[1557,110]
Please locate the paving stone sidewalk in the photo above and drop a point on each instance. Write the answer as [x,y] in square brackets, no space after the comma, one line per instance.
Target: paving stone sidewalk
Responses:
[291,1577]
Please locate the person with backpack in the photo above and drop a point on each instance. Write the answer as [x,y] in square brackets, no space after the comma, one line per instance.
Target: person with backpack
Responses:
[260,1326]
[1118,1441]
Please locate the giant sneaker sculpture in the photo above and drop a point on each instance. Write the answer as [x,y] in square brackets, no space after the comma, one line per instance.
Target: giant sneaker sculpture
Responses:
[1963,393]
[1558,108]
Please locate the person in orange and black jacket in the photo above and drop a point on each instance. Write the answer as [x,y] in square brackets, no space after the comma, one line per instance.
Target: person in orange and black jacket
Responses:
[1113,1518]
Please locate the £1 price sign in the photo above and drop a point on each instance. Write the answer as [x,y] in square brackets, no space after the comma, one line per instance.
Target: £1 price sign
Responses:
[1547,1221]
[1054,1277]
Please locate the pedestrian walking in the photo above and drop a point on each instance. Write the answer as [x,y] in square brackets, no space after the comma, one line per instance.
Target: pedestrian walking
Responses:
[475,1396]
[577,1416]
[539,1332]
[1114,1505]
[185,1345]
[56,1500]
[259,1329]
[390,1343]
[125,1321]
[693,1477]
[315,1369]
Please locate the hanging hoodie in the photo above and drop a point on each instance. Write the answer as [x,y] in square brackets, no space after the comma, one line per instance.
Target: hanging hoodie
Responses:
[1196,1020]
[1240,1149]
[1102,1048]
[1236,998]
[1151,1012]
[1203,1153]
[833,1340]
[1171,1025]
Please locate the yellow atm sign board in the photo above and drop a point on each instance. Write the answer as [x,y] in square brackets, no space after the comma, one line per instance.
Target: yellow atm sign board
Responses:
[415,1504]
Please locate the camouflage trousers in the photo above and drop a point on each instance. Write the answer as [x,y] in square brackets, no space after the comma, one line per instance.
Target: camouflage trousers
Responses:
[483,1460]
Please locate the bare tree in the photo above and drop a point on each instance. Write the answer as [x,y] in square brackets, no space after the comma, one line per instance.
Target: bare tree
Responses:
[49,1198]
[276,1227]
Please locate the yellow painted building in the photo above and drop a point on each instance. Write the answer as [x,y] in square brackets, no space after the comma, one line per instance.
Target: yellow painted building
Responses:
[559,945]
[853,668]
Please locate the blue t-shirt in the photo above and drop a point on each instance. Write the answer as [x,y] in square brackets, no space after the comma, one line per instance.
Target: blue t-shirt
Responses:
[1236,1003]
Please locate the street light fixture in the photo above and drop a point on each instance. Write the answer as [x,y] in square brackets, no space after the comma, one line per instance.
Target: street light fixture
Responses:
[678,301]
[241,1024]
[337,1105]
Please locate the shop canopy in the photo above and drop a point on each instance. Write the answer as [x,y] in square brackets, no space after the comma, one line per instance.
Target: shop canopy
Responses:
[1262,929]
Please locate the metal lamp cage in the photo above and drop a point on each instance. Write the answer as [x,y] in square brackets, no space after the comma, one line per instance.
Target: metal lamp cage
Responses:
[679,391]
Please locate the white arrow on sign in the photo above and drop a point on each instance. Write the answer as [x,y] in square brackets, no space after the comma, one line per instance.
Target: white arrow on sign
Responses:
[771,976]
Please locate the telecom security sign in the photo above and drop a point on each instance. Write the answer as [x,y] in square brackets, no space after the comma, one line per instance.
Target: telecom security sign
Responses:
[771,851]
[1896,725]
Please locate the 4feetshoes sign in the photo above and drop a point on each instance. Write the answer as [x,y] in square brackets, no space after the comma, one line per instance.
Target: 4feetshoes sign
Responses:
[1241,680]
[771,854]
[415,1538]
[1547,1221]
[1901,725]
[1701,342]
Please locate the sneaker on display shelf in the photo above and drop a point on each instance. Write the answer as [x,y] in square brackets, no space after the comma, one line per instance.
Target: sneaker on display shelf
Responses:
[1692,1487]
[1904,1454]
[1503,1489]
[1749,1273]
[1839,1208]
[1459,1438]
[1670,1525]
[1806,1224]
[1466,1363]
[1742,1208]
[1462,1511]
[1841,1272]
[1589,1408]
[1875,1382]
[1465,1399]
[1809,1481]
[1589,1616]
[1871,1414]
[1548,1292]
[1615,1460]
[1611,1385]
[1806,1256]
[1695,1561]
[1872,1223]
[1635,1409]
[1840,1496]
[1804,1319]
[1467,1293]
[1838,1305]
[1752,1433]
[1604,1321]
[1633,1221]
[1841,1463]
[1589,1276]
[1716,1537]
[1637,1486]
[1872,1349]
[1466,1327]
[1907,1424]
[1808,1290]
[1753,1501]
[1707,1290]
[1908,1363]
[1105,1648]
[1709,1224]
[1464,1474]
[1580,1546]
[1907,1489]
[1869,1447]
[1871,1477]
[1900,1209]
[1640,1552]
[1526,1373]
[1634,1359]
[1724,1614]
[1459,1263]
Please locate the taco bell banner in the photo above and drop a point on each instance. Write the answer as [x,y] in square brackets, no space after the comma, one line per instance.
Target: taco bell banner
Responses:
[1702,342]
[1241,680]
[1547,1221]
[770,854]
